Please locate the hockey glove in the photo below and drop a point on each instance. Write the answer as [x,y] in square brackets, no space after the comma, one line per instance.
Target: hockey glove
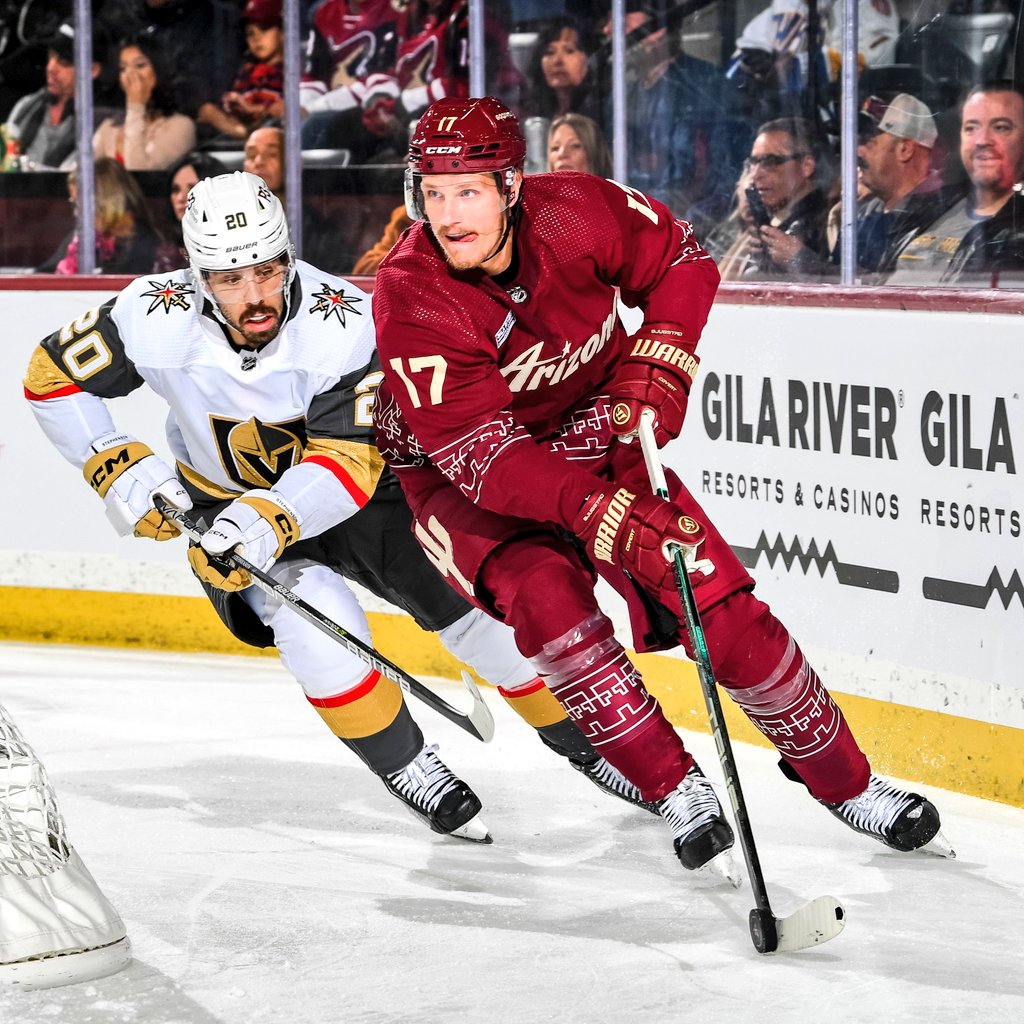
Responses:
[127,475]
[635,533]
[258,526]
[657,375]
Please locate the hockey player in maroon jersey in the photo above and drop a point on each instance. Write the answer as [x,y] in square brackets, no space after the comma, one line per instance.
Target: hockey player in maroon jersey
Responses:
[510,387]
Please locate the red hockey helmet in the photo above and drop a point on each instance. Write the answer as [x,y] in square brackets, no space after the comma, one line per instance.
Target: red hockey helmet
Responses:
[464,136]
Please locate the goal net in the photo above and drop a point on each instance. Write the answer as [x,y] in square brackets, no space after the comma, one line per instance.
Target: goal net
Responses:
[56,927]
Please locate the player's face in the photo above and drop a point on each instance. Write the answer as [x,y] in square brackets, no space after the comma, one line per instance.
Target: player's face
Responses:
[992,140]
[467,215]
[879,167]
[181,184]
[265,44]
[563,63]
[251,300]
[264,156]
[566,152]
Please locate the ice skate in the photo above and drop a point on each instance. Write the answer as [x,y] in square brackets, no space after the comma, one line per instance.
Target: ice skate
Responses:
[565,739]
[607,777]
[427,786]
[701,835]
[902,821]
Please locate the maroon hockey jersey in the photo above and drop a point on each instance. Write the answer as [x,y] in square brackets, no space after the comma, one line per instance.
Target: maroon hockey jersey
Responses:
[501,386]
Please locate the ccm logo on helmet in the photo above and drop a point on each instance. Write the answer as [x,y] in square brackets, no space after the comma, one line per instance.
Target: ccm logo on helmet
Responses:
[444,150]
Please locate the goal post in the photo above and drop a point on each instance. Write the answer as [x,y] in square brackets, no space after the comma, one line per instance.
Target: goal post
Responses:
[56,926]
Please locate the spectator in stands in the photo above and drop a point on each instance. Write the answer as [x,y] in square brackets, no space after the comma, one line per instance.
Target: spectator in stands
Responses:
[324,243]
[433,56]
[45,120]
[576,143]
[686,141]
[150,134]
[905,191]
[782,166]
[559,75]
[350,87]
[200,40]
[256,96]
[182,176]
[979,239]
[126,240]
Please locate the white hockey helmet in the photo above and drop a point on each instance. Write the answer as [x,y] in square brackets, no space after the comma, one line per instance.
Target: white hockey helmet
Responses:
[233,221]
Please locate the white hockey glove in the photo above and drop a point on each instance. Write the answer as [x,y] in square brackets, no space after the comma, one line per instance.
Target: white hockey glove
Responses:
[126,474]
[258,526]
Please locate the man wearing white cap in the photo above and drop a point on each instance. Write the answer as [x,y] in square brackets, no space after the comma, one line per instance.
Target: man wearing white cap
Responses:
[894,154]
[979,240]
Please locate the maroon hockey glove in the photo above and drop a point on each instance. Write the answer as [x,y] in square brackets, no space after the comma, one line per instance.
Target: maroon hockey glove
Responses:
[656,375]
[619,528]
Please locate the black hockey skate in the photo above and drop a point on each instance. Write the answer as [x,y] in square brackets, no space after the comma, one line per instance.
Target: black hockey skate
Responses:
[427,786]
[701,834]
[566,740]
[902,821]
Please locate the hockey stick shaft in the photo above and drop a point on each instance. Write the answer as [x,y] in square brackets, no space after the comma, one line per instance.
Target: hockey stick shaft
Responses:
[478,722]
[762,918]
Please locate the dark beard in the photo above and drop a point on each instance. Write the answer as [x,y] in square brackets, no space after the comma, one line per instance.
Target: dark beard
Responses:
[258,341]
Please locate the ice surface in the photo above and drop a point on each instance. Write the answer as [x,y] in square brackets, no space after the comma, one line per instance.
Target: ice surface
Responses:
[265,876]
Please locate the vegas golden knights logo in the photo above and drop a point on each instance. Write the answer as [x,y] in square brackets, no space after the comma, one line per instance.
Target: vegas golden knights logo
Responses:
[256,454]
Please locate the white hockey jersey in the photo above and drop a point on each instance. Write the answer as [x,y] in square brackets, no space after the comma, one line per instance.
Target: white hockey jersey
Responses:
[296,416]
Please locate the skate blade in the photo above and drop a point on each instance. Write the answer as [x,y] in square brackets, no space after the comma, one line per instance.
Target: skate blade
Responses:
[938,846]
[721,868]
[475,831]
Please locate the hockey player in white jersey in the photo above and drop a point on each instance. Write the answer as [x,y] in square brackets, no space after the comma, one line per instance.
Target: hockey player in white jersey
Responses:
[269,368]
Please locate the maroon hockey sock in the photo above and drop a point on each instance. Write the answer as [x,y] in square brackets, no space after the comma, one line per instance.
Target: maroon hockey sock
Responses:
[766,673]
[546,595]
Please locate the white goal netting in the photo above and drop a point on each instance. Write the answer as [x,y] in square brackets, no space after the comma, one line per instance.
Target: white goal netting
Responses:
[56,926]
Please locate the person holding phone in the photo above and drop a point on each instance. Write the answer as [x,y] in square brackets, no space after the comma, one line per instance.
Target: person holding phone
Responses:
[787,209]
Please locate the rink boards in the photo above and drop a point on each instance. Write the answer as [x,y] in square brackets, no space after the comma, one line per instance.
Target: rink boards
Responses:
[862,459]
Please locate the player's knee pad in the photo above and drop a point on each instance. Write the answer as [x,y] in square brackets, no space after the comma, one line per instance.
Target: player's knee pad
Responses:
[765,672]
[322,666]
[592,678]
[489,647]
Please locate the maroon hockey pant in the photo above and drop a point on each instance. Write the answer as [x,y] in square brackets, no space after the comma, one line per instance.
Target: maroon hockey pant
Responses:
[541,588]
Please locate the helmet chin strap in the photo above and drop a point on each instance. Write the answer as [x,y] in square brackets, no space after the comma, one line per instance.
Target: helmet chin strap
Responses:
[511,212]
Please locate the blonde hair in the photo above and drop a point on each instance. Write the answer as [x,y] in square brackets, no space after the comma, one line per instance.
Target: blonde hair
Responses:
[120,205]
[592,139]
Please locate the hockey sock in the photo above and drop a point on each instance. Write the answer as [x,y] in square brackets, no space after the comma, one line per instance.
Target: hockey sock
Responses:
[766,673]
[589,673]
[546,595]
[538,707]
[372,720]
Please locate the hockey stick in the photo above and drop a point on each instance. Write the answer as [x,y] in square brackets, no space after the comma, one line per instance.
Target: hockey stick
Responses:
[478,722]
[821,919]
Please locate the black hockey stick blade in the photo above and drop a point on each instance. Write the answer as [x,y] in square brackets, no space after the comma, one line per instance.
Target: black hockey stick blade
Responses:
[478,722]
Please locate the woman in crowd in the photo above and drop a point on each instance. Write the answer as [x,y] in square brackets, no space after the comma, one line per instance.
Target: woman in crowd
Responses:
[576,143]
[150,134]
[126,240]
[182,176]
[560,76]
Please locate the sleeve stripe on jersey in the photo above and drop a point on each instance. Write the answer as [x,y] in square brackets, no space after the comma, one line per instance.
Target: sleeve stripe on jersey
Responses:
[45,379]
[331,464]
[70,389]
